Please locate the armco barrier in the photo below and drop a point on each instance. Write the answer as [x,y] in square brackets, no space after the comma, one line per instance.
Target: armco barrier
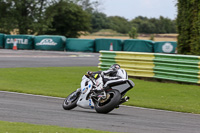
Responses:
[163,66]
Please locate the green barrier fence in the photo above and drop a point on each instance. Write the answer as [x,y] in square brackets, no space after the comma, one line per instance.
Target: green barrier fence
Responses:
[165,47]
[136,45]
[2,40]
[23,41]
[83,45]
[163,66]
[60,43]
[47,42]
[108,44]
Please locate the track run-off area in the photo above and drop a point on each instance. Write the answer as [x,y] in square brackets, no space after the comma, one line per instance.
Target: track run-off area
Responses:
[44,110]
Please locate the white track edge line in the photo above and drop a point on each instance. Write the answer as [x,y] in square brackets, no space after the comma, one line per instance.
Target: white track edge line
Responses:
[31,95]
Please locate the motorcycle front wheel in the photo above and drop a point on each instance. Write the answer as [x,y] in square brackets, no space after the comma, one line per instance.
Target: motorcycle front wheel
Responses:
[71,100]
[112,101]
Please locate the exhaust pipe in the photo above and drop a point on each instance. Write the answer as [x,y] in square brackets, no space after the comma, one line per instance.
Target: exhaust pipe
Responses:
[125,99]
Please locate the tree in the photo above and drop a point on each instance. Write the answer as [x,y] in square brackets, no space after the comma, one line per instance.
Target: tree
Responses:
[89,6]
[99,21]
[188,24]
[146,27]
[5,25]
[85,4]
[133,33]
[25,15]
[154,25]
[68,19]
[119,24]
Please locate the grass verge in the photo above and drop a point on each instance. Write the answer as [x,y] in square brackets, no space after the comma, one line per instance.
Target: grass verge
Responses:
[17,127]
[60,81]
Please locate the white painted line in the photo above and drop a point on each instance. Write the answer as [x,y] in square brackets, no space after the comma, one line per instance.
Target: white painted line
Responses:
[17,93]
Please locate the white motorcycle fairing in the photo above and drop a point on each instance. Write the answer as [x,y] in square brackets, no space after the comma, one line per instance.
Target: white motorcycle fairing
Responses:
[83,101]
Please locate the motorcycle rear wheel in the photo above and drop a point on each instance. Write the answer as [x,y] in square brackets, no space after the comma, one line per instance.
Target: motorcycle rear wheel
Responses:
[110,103]
[70,102]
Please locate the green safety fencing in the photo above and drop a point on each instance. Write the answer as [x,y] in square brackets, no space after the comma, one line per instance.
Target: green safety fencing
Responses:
[60,43]
[181,68]
[80,45]
[165,47]
[23,41]
[47,42]
[2,40]
[108,44]
[136,45]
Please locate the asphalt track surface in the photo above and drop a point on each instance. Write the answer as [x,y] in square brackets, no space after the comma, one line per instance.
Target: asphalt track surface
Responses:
[48,110]
[31,58]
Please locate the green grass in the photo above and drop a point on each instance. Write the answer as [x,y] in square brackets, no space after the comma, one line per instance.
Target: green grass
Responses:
[52,81]
[166,96]
[108,32]
[60,81]
[17,127]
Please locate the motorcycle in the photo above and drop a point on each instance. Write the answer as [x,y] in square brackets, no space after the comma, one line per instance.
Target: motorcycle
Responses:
[103,100]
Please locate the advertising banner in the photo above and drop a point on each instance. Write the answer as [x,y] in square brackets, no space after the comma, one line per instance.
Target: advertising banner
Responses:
[23,41]
[165,47]
[47,42]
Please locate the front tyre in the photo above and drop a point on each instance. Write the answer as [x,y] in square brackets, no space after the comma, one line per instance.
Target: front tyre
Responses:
[71,100]
[110,103]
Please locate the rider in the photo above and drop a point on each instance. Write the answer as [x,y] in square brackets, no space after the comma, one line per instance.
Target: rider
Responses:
[101,77]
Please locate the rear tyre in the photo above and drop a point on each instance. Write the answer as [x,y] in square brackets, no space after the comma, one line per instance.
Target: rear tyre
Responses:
[71,100]
[111,103]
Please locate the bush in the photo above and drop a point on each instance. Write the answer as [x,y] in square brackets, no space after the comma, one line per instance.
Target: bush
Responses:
[133,33]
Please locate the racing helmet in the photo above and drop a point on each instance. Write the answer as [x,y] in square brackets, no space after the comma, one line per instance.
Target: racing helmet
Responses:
[115,66]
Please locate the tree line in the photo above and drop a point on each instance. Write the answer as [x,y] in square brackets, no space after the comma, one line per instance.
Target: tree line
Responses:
[71,18]
[142,24]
